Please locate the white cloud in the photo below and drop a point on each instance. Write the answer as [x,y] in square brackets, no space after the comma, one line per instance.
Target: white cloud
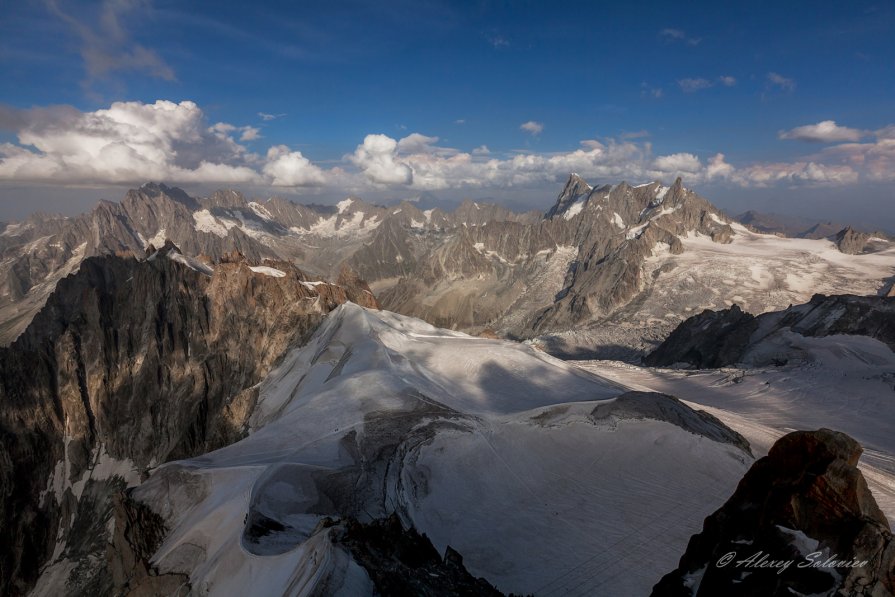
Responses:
[780,81]
[678,163]
[694,84]
[532,127]
[727,80]
[377,159]
[132,142]
[460,121]
[287,168]
[762,175]
[268,117]
[823,132]
[718,168]
[250,133]
[875,160]
[417,143]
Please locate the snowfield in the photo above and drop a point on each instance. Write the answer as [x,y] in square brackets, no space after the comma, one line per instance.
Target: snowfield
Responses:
[846,383]
[530,467]
[758,272]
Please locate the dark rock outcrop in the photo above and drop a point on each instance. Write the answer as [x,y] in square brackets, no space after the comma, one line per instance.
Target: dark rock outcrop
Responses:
[723,338]
[710,339]
[402,562]
[805,503]
[662,407]
[138,534]
[134,362]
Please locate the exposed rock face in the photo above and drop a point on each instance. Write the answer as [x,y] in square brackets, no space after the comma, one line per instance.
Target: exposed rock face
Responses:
[130,364]
[403,562]
[575,190]
[138,534]
[662,407]
[722,338]
[710,339]
[851,241]
[806,503]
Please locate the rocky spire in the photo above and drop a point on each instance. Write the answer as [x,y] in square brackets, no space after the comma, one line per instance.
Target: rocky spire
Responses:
[576,188]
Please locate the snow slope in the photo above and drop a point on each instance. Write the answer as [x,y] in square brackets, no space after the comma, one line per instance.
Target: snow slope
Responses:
[846,383]
[491,447]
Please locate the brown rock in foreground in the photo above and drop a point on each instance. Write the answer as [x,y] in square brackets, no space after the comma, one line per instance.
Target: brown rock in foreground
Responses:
[805,503]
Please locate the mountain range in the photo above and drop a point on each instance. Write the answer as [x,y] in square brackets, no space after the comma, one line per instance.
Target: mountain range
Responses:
[215,395]
[616,254]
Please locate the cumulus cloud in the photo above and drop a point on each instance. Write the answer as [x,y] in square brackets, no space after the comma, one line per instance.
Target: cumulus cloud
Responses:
[250,133]
[107,46]
[131,142]
[781,82]
[377,159]
[718,168]
[823,132]
[287,168]
[875,160]
[532,127]
[418,143]
[678,163]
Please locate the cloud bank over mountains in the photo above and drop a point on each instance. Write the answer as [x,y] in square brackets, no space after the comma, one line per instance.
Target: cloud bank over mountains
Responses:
[131,142]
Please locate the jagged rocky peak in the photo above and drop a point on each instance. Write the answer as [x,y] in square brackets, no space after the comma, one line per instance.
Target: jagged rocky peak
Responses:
[850,241]
[575,189]
[805,503]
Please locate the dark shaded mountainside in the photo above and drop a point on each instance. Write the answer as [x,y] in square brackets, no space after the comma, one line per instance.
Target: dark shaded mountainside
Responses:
[714,339]
[132,363]
[805,503]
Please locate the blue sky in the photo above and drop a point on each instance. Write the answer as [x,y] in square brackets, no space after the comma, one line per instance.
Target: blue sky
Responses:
[796,97]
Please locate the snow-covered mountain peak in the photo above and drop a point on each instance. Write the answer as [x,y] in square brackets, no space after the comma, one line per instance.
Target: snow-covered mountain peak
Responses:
[483,445]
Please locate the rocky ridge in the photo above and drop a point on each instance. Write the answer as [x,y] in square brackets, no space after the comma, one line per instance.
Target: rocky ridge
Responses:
[129,364]
[714,339]
[600,254]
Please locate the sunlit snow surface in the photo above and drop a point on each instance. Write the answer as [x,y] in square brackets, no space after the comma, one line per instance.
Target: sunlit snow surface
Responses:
[483,445]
